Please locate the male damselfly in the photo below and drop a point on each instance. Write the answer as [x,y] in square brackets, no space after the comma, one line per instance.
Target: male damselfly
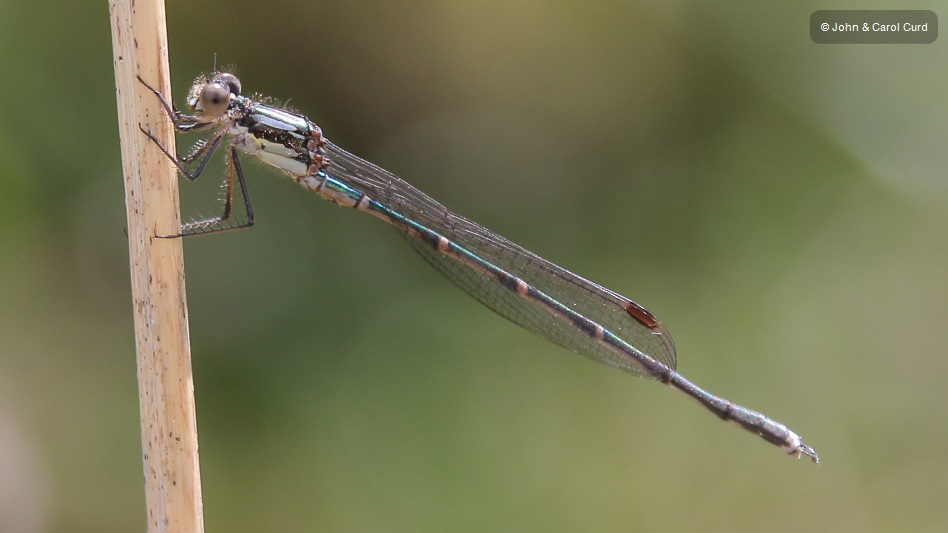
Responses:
[528,290]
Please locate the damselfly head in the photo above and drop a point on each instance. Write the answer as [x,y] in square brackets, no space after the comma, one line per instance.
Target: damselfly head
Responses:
[211,97]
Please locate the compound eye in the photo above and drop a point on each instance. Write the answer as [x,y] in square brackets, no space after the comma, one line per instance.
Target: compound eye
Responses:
[215,98]
[229,80]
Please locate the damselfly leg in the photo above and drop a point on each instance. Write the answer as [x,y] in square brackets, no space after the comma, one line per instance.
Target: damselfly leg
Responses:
[201,152]
[182,122]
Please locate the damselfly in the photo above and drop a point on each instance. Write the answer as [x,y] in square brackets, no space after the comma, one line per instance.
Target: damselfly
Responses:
[528,290]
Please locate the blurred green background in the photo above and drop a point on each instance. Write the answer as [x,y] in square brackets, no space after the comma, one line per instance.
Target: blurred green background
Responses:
[780,205]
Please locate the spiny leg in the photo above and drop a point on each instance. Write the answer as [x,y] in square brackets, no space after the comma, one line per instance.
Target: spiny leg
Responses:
[182,122]
[218,224]
[243,188]
[207,149]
